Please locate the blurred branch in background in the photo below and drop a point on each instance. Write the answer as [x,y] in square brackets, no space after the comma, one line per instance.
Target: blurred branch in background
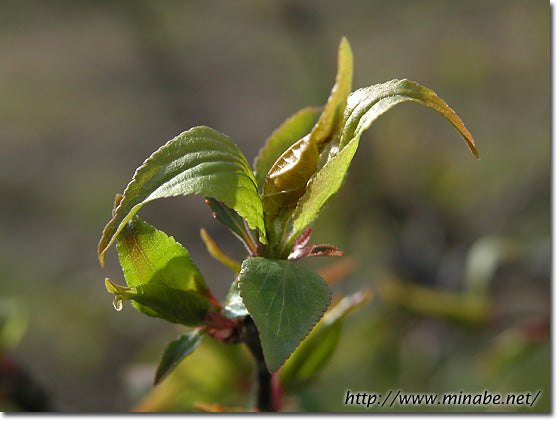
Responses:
[19,390]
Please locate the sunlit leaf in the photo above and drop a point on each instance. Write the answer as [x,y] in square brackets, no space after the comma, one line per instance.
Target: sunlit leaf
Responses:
[332,114]
[364,106]
[291,131]
[147,255]
[198,161]
[367,104]
[160,300]
[285,183]
[174,352]
[287,178]
[162,280]
[217,253]
[321,188]
[285,301]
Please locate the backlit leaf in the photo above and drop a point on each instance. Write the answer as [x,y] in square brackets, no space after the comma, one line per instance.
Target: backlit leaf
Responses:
[367,104]
[198,161]
[287,178]
[364,106]
[162,280]
[332,114]
[291,131]
[157,299]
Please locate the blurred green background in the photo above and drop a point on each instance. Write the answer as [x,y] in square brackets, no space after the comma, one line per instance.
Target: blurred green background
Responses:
[456,251]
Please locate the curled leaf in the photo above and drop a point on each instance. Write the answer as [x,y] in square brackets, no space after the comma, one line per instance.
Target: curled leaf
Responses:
[286,180]
[198,161]
[162,280]
[291,131]
[364,107]
[285,183]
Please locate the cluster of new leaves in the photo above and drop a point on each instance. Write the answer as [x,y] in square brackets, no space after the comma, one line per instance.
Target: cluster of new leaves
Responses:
[301,166]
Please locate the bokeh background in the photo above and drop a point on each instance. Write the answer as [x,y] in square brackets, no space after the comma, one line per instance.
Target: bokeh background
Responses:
[456,251]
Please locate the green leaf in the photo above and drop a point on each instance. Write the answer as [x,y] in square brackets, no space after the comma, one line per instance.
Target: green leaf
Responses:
[287,178]
[331,117]
[162,280]
[233,221]
[316,350]
[364,106]
[285,301]
[149,255]
[198,161]
[291,131]
[159,300]
[367,104]
[174,352]
[285,183]
[321,188]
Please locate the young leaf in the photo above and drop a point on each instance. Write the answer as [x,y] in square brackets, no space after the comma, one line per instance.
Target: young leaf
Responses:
[364,106]
[332,113]
[157,299]
[174,352]
[367,104]
[198,161]
[287,178]
[149,255]
[291,131]
[285,301]
[285,182]
[233,221]
[321,188]
[162,280]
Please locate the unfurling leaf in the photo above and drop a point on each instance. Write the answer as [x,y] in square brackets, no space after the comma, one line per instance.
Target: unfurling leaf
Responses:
[287,178]
[162,280]
[300,249]
[330,120]
[292,130]
[285,182]
[364,106]
[174,352]
[198,161]
[285,301]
